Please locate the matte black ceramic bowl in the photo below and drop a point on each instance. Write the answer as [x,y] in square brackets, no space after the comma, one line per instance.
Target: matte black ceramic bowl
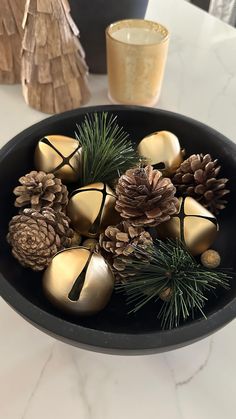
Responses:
[112,331]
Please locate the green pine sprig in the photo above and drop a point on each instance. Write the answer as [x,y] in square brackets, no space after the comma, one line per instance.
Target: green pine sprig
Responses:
[171,267]
[106,150]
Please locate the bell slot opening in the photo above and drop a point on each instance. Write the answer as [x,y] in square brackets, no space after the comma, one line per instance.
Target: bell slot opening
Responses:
[94,229]
[75,291]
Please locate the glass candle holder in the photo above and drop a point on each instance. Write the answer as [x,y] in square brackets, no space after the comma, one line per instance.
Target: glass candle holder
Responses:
[136,57]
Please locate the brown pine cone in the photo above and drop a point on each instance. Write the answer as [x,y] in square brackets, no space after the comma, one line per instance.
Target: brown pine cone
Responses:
[145,198]
[36,236]
[39,189]
[119,244]
[123,238]
[197,177]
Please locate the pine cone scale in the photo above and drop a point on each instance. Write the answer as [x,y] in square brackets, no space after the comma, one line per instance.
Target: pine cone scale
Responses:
[200,189]
[153,213]
[21,201]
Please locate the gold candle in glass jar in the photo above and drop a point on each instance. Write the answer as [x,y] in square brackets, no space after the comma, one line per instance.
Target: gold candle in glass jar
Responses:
[136,57]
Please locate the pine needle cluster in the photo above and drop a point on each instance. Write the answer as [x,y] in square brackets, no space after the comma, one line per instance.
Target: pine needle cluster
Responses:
[172,268]
[107,151]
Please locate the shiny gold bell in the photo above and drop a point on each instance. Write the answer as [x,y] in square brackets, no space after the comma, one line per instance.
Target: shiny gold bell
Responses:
[78,281]
[60,155]
[92,208]
[162,150]
[194,225]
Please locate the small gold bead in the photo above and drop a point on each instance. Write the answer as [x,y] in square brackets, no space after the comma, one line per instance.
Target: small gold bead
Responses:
[90,244]
[166,294]
[210,259]
[76,239]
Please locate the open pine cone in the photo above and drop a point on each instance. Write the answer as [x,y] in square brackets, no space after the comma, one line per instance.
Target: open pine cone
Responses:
[36,236]
[39,189]
[197,177]
[145,198]
[119,244]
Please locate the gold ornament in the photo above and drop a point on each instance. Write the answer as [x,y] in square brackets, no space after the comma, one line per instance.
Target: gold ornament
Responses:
[210,259]
[76,239]
[162,150]
[92,208]
[60,155]
[194,225]
[90,244]
[78,281]
[166,294]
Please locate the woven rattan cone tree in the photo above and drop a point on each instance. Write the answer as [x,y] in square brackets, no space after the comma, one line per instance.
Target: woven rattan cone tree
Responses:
[54,71]
[11,15]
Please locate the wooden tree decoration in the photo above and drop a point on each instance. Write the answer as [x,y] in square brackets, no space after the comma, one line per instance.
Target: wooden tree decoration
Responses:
[54,71]
[11,16]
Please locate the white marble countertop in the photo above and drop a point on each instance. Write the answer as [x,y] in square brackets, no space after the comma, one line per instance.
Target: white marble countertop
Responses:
[43,378]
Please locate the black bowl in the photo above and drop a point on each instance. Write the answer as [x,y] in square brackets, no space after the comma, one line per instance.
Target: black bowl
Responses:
[112,331]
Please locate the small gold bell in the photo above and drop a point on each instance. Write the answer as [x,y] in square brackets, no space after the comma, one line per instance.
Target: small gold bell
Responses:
[78,281]
[60,155]
[162,150]
[194,225]
[92,208]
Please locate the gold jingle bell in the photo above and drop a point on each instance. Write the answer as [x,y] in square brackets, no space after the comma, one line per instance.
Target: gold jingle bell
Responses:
[194,225]
[78,281]
[162,150]
[59,155]
[92,209]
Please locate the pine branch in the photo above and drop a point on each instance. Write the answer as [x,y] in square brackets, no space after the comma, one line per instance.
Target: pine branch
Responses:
[171,268]
[106,150]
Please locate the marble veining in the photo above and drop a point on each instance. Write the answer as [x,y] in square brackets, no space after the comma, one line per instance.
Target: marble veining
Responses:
[44,378]
[199,369]
[37,384]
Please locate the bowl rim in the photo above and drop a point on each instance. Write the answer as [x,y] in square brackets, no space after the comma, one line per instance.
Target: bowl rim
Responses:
[110,342]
